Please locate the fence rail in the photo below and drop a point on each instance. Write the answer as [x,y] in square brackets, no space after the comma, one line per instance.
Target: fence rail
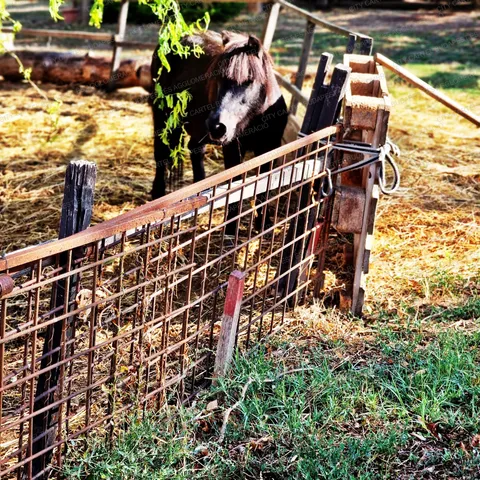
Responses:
[142,325]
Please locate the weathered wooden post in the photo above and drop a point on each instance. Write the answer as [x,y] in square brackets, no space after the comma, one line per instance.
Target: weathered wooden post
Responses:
[84,12]
[270,25]
[323,113]
[228,331]
[119,37]
[367,111]
[76,215]
[302,67]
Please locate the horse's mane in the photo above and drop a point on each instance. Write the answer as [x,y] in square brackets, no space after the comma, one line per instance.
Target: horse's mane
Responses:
[242,60]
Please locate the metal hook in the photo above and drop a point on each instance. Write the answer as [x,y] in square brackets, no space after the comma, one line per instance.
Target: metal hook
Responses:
[329,181]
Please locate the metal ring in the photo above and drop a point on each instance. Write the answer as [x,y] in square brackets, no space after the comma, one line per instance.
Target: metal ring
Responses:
[329,181]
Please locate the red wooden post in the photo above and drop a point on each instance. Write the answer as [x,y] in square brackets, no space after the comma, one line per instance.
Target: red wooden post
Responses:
[228,332]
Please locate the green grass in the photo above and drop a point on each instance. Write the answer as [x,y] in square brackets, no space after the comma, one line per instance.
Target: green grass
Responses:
[404,405]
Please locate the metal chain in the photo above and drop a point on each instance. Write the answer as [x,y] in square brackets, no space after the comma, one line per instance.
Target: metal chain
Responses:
[383,155]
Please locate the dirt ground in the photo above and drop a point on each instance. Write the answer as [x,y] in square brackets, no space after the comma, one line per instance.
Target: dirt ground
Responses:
[430,228]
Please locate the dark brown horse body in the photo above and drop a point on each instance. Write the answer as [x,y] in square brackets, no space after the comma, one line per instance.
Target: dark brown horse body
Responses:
[236,102]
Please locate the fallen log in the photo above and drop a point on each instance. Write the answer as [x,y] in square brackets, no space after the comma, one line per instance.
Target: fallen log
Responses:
[65,68]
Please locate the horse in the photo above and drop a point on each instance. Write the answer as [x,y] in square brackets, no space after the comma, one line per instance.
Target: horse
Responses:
[236,102]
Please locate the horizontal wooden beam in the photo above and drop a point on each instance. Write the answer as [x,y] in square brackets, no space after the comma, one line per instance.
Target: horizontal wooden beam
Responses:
[428,89]
[135,45]
[318,21]
[296,92]
[40,32]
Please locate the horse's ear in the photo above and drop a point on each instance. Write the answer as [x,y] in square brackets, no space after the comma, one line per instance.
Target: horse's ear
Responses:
[254,44]
[226,37]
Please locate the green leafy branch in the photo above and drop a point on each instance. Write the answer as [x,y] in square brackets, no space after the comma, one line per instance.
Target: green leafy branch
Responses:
[173,29]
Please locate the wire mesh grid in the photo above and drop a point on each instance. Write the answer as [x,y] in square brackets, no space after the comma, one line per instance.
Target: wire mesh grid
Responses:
[131,321]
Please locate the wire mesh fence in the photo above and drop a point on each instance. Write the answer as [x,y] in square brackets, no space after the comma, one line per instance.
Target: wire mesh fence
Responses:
[126,315]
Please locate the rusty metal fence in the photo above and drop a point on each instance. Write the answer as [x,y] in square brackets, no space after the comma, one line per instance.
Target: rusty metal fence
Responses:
[142,301]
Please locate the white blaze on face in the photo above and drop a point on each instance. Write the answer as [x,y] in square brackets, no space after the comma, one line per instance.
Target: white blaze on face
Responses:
[237,107]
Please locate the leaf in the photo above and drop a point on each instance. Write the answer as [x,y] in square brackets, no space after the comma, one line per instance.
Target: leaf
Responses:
[96,14]
[432,428]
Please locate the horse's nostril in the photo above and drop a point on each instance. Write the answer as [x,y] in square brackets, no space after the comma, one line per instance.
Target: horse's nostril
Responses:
[219,130]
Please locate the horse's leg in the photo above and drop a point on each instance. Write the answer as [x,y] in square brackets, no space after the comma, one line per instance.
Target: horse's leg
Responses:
[162,159]
[232,156]
[197,155]
[161,152]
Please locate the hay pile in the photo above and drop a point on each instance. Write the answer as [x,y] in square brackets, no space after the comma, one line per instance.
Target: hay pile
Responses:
[430,227]
[115,131]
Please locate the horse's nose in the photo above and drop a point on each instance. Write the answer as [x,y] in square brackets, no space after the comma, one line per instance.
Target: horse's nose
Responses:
[218,130]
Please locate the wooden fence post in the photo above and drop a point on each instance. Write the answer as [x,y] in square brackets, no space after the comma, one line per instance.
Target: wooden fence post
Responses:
[76,215]
[255,7]
[228,331]
[323,115]
[366,46]
[352,40]
[85,11]
[119,37]
[302,67]
[270,25]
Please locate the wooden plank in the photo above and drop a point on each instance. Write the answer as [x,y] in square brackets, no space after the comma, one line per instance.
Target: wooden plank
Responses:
[318,21]
[305,221]
[303,64]
[296,93]
[317,97]
[428,89]
[77,211]
[352,40]
[61,33]
[117,50]
[270,26]
[366,46]
[370,180]
[338,86]
[229,326]
[175,203]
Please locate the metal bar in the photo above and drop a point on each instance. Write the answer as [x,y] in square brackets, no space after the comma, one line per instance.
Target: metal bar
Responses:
[172,204]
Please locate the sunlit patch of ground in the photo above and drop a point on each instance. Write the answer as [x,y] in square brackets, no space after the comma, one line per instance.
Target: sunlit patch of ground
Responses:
[430,226]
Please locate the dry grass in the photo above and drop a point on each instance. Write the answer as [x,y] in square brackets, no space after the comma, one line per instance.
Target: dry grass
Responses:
[430,226]
[114,131]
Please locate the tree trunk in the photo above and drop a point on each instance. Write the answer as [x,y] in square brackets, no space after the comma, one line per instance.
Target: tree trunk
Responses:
[64,68]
